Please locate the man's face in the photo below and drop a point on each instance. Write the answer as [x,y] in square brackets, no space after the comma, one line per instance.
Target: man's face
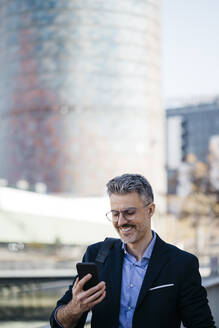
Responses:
[132,231]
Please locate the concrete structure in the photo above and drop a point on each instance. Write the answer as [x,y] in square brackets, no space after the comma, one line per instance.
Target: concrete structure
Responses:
[212,286]
[191,129]
[80,93]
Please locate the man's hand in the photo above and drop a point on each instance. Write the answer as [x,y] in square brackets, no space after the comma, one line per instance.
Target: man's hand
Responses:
[82,301]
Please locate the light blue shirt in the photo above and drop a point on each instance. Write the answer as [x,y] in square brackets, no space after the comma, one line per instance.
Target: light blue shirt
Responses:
[133,273]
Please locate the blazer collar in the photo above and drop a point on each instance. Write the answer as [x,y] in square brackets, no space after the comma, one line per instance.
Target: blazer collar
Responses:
[158,259]
[112,272]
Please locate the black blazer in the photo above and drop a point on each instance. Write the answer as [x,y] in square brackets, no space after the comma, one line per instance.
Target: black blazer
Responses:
[171,291]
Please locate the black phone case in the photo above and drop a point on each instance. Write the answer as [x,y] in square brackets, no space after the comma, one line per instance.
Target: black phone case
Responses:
[88,267]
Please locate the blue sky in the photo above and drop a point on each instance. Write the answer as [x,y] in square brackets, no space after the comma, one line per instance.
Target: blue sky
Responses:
[190,48]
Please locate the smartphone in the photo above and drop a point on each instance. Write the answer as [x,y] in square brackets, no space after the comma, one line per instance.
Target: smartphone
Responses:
[88,267]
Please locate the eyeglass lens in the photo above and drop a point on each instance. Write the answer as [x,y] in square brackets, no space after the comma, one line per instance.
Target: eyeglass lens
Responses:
[128,214]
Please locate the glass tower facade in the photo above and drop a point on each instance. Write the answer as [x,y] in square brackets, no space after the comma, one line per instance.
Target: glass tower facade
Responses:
[80,92]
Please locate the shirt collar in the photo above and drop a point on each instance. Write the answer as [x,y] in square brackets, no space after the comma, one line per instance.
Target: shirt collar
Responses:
[149,249]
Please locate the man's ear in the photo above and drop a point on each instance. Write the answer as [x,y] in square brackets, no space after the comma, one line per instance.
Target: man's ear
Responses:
[151,209]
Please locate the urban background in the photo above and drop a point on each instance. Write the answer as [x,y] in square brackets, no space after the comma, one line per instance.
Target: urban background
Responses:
[90,90]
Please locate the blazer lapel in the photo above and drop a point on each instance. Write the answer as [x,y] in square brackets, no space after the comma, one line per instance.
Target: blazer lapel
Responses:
[158,259]
[114,267]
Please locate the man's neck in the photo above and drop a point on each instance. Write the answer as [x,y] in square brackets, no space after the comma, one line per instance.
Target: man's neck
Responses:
[138,249]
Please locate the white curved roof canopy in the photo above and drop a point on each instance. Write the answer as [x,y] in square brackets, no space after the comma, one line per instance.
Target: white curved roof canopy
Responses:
[31,217]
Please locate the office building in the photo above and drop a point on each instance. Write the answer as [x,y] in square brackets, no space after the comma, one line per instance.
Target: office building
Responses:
[192,130]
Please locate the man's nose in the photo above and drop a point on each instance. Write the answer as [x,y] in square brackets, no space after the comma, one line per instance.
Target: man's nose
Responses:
[121,218]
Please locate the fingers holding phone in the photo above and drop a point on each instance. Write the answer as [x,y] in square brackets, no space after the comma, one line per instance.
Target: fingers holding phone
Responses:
[87,299]
[82,300]
[87,291]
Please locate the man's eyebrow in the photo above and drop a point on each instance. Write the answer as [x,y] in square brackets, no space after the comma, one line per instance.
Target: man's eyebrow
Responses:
[127,208]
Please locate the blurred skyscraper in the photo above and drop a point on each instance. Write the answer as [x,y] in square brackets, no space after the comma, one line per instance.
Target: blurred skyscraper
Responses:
[80,97]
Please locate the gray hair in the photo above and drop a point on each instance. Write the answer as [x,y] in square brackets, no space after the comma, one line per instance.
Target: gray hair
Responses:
[128,183]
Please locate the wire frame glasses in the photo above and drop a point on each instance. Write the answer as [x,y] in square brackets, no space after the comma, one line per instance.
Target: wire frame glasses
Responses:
[129,213]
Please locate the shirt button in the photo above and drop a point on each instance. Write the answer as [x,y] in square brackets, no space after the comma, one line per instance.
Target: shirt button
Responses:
[129,308]
[131,285]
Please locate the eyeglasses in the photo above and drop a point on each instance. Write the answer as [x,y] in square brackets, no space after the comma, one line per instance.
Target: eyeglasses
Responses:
[129,213]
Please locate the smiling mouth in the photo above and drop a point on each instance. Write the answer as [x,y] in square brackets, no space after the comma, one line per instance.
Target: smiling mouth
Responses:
[126,228]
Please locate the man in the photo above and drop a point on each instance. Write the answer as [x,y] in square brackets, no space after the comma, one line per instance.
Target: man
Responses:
[145,282]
